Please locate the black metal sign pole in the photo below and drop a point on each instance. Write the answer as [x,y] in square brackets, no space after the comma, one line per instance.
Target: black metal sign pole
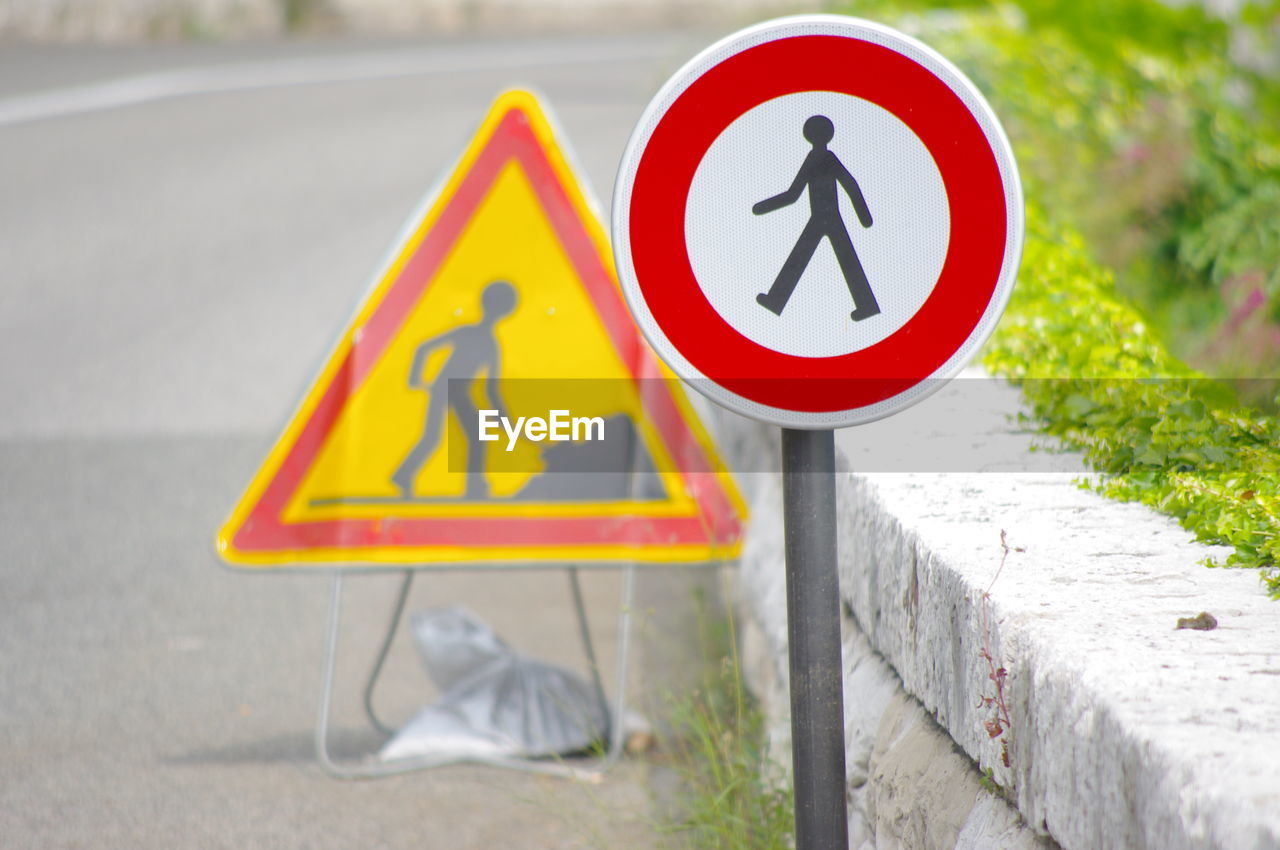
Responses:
[813,628]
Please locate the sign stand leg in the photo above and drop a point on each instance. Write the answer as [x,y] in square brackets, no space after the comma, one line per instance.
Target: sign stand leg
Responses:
[616,721]
[813,630]
[397,613]
[584,630]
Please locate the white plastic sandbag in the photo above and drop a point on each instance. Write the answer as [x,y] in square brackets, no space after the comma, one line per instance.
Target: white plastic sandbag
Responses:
[494,701]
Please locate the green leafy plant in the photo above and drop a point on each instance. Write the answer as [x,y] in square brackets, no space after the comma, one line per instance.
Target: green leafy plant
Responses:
[989,784]
[1095,376]
[1141,142]
[1135,125]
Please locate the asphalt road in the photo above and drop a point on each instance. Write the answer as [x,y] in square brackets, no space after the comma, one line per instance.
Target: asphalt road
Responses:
[183,230]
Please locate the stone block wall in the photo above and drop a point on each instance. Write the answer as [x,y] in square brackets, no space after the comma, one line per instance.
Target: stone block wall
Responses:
[1124,730]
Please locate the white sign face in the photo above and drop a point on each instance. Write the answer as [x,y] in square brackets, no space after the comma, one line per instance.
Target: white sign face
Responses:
[817,222]
[906,242]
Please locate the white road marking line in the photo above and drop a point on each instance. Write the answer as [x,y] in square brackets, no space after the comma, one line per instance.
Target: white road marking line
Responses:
[312,70]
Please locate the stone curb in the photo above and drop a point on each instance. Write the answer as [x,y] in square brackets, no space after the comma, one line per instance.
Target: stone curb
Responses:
[909,785]
[1125,732]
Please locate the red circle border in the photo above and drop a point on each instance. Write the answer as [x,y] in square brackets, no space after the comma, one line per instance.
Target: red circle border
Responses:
[975,195]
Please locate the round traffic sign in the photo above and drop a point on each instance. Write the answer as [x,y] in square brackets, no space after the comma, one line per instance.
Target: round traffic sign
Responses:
[817,221]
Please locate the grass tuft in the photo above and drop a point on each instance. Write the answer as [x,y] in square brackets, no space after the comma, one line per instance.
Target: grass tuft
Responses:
[728,796]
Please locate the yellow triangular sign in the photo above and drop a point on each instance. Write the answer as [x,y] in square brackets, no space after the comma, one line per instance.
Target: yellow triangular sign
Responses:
[500,307]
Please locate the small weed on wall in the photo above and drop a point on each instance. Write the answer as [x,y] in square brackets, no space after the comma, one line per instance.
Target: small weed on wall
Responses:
[997,724]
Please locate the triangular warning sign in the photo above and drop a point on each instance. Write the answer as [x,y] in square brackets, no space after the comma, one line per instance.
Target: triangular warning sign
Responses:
[500,304]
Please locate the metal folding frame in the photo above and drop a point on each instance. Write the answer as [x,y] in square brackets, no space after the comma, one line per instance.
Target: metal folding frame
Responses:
[595,768]
[592,771]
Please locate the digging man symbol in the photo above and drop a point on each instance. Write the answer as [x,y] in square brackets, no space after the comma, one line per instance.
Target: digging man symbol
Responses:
[473,352]
[820,173]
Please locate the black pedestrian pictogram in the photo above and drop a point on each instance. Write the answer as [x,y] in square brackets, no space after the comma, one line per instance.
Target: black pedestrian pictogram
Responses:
[820,173]
[474,352]
[617,466]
